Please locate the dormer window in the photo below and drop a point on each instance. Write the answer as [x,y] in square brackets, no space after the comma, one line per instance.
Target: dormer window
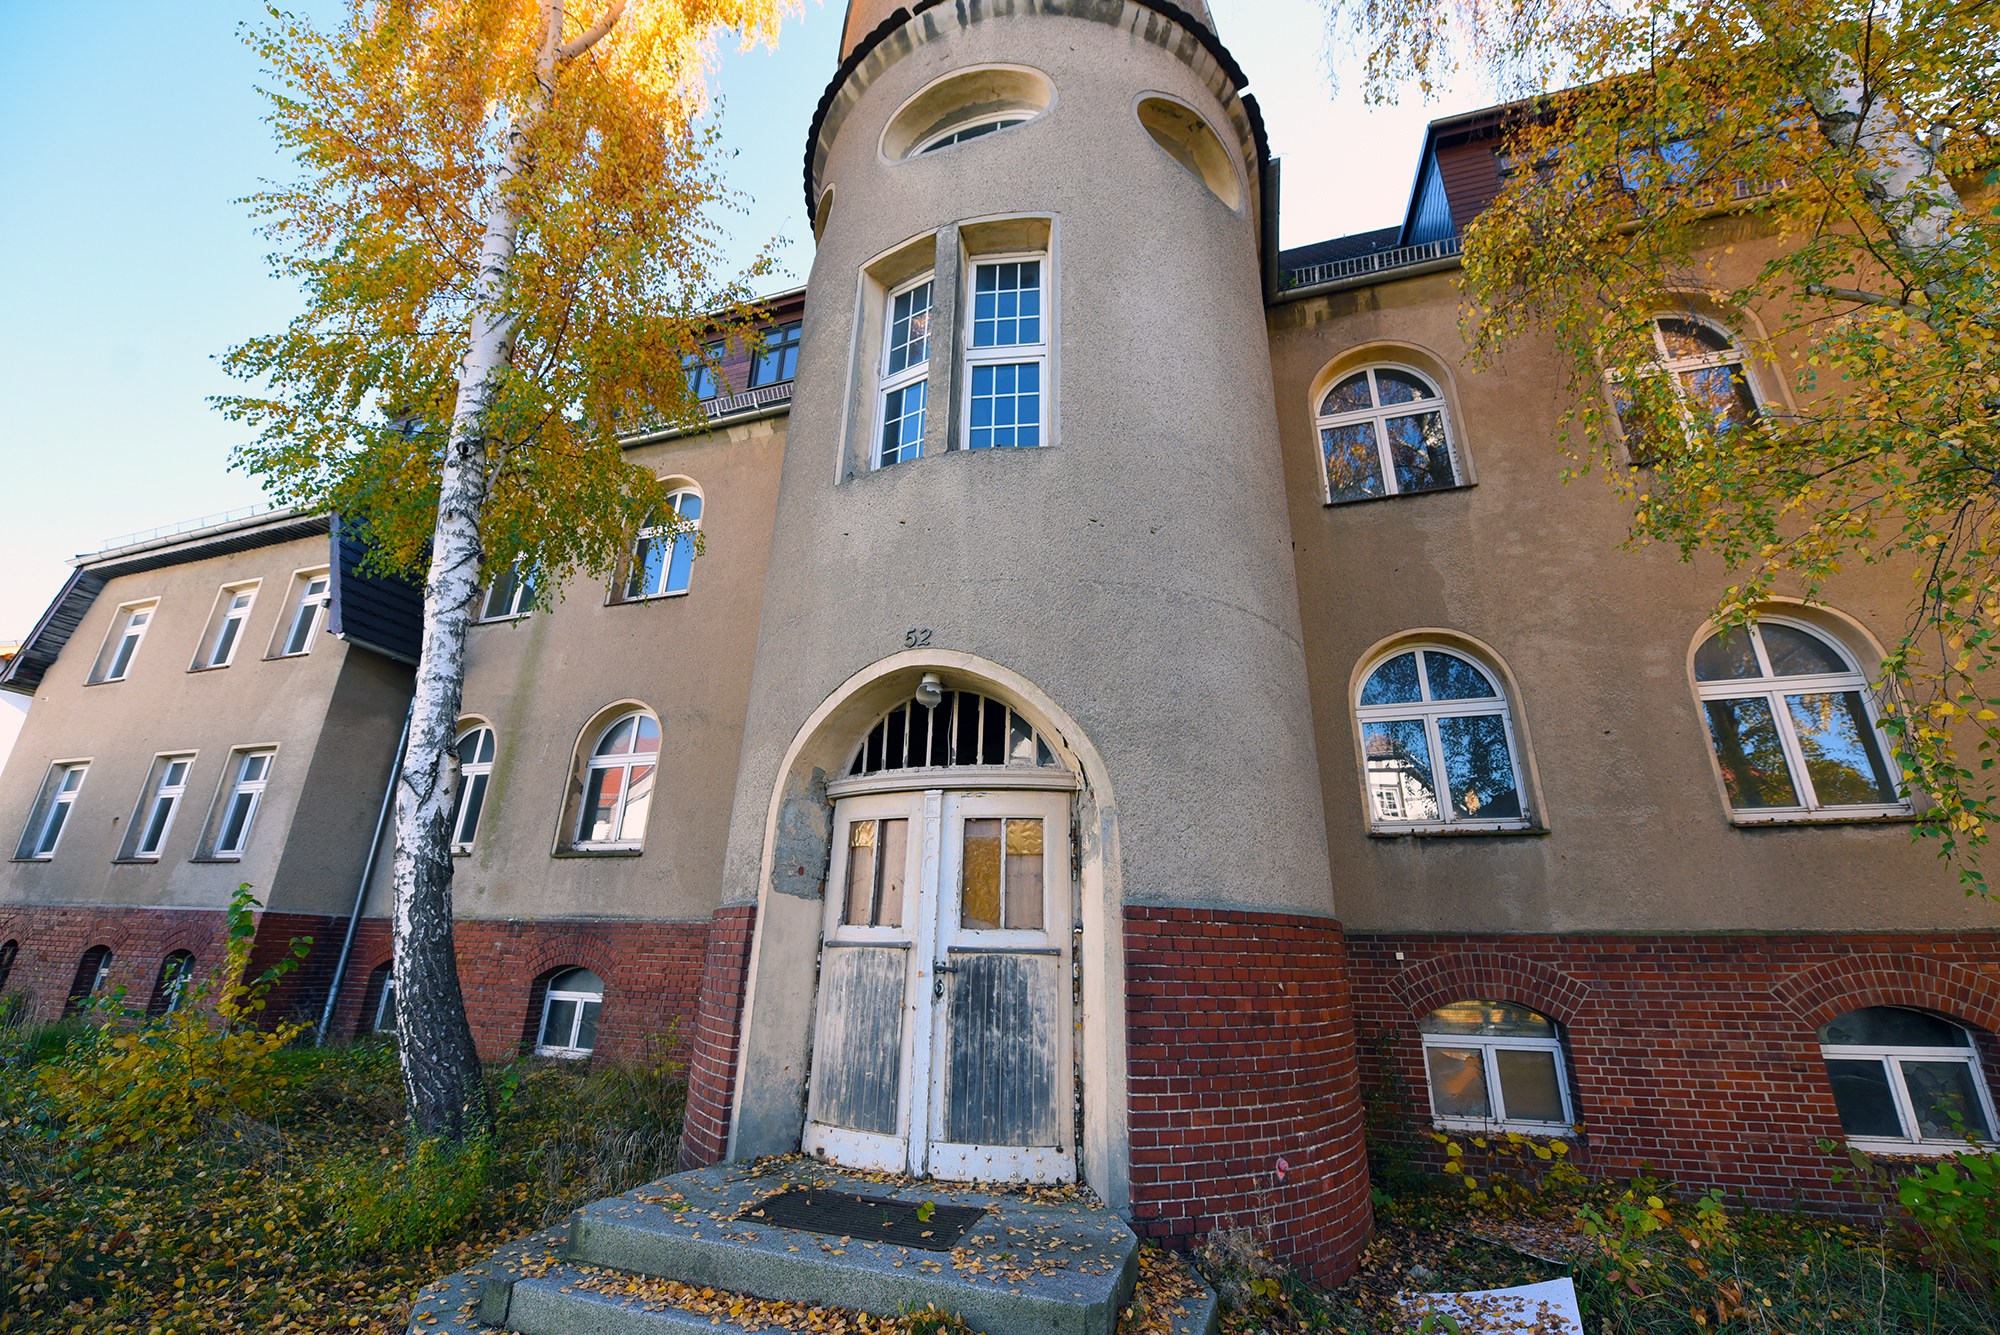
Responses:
[778,360]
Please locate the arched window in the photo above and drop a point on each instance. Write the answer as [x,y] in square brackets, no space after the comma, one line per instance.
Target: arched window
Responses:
[1382,432]
[1702,365]
[618,782]
[1437,743]
[663,554]
[170,987]
[1904,1080]
[570,1011]
[1792,721]
[1493,1063]
[969,104]
[965,728]
[475,773]
[92,972]
[8,951]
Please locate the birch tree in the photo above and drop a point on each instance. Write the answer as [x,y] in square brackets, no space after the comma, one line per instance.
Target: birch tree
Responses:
[1817,174]
[505,221]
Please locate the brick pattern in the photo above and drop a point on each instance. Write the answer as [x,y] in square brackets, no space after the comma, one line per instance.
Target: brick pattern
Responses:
[1241,1053]
[1696,1058]
[712,1053]
[53,940]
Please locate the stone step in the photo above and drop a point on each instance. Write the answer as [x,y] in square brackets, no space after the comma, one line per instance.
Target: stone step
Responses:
[1038,1263]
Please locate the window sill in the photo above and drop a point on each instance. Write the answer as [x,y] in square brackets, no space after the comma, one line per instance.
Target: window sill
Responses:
[105,681]
[1465,831]
[1480,1126]
[599,851]
[218,857]
[38,857]
[213,667]
[1397,496]
[1913,1149]
[502,621]
[651,597]
[1795,818]
[565,1054]
[273,658]
[137,860]
[461,850]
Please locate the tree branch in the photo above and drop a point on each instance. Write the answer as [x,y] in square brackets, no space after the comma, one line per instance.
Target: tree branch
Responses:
[592,35]
[1861,298]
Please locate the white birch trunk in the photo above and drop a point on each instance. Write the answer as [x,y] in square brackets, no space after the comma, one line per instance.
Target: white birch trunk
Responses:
[441,1073]
[1897,171]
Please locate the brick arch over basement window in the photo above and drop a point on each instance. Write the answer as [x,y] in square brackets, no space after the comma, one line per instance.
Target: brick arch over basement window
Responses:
[1831,989]
[578,950]
[1489,975]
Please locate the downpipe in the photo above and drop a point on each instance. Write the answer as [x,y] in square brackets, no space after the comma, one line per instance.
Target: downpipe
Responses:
[367,875]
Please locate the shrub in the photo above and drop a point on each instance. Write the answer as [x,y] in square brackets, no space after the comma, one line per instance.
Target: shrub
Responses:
[112,1086]
[1246,1276]
[1505,1170]
[383,1204]
[1956,1202]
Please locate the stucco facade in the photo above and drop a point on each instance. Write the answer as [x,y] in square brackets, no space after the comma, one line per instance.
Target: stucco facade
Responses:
[1176,620]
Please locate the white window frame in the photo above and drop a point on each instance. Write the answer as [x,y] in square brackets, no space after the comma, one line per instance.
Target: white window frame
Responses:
[54,811]
[1489,1046]
[1429,712]
[227,626]
[467,772]
[237,782]
[385,1005]
[172,991]
[955,134]
[305,607]
[1772,690]
[1008,354]
[1893,1057]
[654,533]
[917,370]
[592,761]
[1378,416]
[121,646]
[550,996]
[158,790]
[520,602]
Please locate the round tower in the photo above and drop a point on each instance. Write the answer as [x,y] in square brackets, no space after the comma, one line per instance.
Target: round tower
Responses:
[1028,872]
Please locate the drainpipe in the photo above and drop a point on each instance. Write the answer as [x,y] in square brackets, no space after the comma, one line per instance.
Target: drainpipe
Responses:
[367,874]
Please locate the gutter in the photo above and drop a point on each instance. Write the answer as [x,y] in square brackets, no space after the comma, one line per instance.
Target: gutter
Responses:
[361,890]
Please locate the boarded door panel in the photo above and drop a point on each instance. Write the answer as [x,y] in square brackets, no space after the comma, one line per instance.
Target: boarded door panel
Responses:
[1001,1072]
[858,1050]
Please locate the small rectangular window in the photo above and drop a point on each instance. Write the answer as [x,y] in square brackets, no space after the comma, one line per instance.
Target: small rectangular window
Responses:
[247,776]
[1006,355]
[905,373]
[51,812]
[310,590]
[159,801]
[225,626]
[779,359]
[512,594]
[128,628]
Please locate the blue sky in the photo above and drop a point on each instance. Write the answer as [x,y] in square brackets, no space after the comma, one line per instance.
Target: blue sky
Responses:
[127,268]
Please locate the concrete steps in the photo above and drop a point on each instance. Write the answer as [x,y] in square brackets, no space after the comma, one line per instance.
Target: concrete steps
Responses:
[1037,1263]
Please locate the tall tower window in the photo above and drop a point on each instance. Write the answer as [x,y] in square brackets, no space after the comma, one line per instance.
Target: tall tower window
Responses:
[1007,352]
[905,373]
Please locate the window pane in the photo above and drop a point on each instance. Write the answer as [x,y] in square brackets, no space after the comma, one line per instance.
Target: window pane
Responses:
[225,642]
[860,873]
[1401,387]
[1529,1091]
[236,822]
[1745,736]
[1843,758]
[1797,653]
[1861,1093]
[52,831]
[1497,1018]
[1458,1082]
[1399,758]
[1419,453]
[894,863]
[559,1024]
[645,735]
[600,803]
[1006,406]
[1024,875]
[1946,1103]
[903,423]
[586,1026]
[156,825]
[649,564]
[1452,678]
[617,741]
[1727,656]
[1893,1027]
[500,598]
[909,329]
[1007,304]
[1691,338]
[639,798]
[1721,394]
[1353,463]
[680,566]
[1350,395]
[1479,768]
[979,888]
[1394,683]
[472,801]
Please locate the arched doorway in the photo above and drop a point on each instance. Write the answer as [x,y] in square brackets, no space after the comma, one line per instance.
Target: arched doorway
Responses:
[945,1019]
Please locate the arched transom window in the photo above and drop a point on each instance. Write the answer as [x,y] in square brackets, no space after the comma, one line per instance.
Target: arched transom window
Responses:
[965,728]
[1493,1063]
[1904,1080]
[1382,432]
[1437,744]
[1792,722]
[618,782]
[570,1009]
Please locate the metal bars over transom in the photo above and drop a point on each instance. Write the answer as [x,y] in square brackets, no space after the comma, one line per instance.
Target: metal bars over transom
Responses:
[965,728]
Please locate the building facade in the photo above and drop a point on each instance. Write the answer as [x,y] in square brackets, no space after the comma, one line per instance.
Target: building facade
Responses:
[1142,708]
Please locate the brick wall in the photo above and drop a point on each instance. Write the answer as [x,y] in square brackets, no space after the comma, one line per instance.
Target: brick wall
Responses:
[1693,1057]
[52,941]
[712,1052]
[1241,1053]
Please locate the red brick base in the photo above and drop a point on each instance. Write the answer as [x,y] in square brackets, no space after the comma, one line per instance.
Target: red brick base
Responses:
[712,1054]
[1245,1098]
[1695,1058]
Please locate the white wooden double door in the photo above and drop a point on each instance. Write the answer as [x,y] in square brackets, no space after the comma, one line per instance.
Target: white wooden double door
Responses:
[943,1038]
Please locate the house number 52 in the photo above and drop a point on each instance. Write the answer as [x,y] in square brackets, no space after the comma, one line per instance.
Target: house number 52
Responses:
[917,637]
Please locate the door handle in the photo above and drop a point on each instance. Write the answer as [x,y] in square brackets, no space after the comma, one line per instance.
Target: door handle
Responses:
[940,969]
